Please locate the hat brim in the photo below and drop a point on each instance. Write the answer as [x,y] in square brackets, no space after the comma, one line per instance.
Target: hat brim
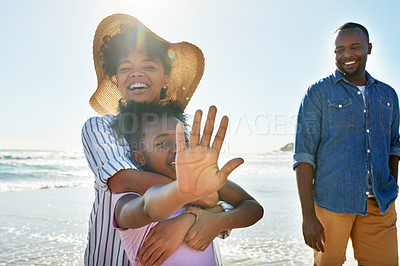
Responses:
[186,71]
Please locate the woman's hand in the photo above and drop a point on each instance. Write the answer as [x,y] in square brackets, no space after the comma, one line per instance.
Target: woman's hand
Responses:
[163,239]
[204,230]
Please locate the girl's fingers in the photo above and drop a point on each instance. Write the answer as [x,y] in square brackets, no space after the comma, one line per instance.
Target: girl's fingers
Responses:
[209,126]
[180,137]
[220,136]
[195,133]
[229,167]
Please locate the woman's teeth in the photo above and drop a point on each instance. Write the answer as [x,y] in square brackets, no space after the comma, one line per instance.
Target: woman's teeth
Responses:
[135,86]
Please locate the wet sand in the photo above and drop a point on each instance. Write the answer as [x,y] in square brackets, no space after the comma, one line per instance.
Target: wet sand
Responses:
[49,226]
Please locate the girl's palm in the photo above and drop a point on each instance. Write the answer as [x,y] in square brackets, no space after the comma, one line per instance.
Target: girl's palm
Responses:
[197,164]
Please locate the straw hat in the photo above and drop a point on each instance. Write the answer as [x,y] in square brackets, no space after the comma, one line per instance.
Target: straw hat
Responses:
[186,72]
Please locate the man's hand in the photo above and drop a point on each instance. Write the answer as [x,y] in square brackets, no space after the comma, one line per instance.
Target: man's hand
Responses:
[197,169]
[393,166]
[313,233]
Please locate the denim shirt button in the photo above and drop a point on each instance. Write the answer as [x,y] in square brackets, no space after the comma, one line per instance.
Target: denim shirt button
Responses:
[340,106]
[367,193]
[358,92]
[365,110]
[368,151]
[367,130]
[388,104]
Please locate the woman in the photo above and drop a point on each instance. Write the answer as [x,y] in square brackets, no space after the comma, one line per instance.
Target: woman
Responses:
[153,70]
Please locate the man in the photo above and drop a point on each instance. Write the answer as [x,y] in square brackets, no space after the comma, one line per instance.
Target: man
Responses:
[346,155]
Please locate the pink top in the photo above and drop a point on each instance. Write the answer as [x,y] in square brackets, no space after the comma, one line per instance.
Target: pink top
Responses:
[132,240]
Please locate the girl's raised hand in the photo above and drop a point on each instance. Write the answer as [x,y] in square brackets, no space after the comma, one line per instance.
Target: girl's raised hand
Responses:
[197,169]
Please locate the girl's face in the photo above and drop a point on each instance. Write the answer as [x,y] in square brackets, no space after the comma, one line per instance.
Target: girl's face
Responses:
[140,78]
[159,147]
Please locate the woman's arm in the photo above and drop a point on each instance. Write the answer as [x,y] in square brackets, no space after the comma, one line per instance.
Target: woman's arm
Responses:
[109,160]
[210,223]
[164,238]
[247,210]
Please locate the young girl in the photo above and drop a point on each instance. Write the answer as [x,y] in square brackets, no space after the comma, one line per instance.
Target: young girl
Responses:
[150,132]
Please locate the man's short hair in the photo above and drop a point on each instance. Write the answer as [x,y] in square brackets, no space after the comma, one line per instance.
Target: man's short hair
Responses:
[352,25]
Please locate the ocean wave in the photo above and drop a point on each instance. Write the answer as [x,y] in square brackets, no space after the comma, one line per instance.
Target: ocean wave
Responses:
[39,155]
[33,170]
[38,185]
[262,163]
[27,170]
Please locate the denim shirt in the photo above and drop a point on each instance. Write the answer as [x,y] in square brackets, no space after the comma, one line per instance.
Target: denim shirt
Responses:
[346,140]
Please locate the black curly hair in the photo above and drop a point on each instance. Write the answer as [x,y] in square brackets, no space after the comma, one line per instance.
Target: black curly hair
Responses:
[352,25]
[113,48]
[131,121]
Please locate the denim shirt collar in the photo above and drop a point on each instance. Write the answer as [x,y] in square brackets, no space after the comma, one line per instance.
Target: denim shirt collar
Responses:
[337,76]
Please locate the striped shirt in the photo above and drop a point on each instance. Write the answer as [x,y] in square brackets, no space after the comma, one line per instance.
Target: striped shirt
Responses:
[106,156]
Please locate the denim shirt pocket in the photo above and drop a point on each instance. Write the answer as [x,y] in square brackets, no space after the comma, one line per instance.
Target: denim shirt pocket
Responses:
[340,113]
[385,114]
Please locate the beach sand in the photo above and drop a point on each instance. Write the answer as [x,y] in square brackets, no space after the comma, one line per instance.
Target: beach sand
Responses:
[44,227]
[49,227]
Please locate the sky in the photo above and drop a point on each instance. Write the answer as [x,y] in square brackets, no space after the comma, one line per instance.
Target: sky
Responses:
[261,56]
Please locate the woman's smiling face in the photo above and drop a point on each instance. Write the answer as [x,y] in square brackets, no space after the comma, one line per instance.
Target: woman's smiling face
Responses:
[140,78]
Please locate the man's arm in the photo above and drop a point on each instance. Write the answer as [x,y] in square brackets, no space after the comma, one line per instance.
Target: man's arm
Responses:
[393,166]
[308,138]
[313,231]
[394,139]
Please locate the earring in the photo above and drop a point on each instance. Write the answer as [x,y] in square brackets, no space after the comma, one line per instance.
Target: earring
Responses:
[122,102]
[163,93]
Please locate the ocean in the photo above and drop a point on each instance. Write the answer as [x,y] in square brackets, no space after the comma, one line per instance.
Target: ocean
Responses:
[23,170]
[46,197]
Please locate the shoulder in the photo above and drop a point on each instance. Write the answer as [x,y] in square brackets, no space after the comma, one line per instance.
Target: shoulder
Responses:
[385,89]
[320,88]
[98,123]
[324,83]
[99,120]
[385,86]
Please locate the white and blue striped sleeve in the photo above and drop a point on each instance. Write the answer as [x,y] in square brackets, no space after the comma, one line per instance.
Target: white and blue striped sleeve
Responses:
[104,153]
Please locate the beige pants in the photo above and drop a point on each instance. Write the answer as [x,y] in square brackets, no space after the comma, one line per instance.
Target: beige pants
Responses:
[374,236]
